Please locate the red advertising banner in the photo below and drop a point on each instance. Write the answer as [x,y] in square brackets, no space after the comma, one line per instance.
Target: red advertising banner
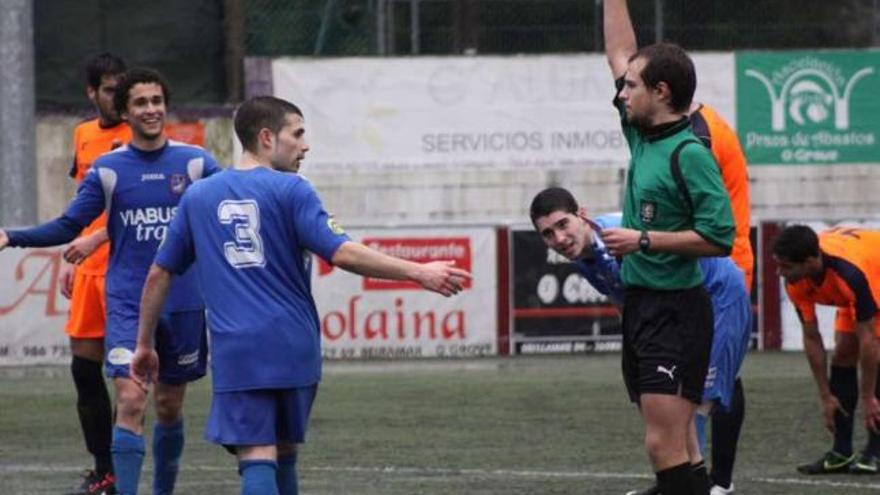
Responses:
[455,249]
[366,318]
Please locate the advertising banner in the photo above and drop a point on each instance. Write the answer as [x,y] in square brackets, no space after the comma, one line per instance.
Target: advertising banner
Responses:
[468,113]
[32,311]
[554,308]
[808,107]
[367,318]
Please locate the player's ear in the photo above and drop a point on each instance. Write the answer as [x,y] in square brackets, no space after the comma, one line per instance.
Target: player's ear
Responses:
[663,91]
[582,212]
[265,138]
[92,93]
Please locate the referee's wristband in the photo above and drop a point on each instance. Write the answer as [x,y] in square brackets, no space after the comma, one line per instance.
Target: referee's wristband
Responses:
[644,242]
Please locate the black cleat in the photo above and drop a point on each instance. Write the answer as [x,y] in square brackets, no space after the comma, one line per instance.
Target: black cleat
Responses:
[865,464]
[830,463]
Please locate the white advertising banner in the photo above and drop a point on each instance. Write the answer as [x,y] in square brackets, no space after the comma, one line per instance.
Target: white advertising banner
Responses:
[32,311]
[469,113]
[367,318]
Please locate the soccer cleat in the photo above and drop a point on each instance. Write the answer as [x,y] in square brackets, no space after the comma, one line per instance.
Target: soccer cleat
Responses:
[88,477]
[865,464]
[104,486]
[830,462]
[93,484]
[720,490]
[654,490]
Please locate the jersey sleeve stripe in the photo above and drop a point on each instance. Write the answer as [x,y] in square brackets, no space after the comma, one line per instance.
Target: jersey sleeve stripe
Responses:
[857,282]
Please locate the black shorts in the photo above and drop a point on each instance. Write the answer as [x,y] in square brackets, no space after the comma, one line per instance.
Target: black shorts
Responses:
[667,340]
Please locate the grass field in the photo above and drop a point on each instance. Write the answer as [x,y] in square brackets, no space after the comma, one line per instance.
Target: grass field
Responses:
[526,425]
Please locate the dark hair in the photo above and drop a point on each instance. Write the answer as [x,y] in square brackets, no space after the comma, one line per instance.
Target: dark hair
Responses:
[105,64]
[138,75]
[261,112]
[669,63]
[550,200]
[796,243]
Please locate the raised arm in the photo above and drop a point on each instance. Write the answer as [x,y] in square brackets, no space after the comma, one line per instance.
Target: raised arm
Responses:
[620,38]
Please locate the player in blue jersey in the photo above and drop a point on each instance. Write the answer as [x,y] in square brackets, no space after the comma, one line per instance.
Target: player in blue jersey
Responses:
[566,229]
[246,231]
[140,185]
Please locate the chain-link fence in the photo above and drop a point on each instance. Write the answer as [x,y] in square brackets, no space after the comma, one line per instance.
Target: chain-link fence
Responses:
[401,27]
[198,44]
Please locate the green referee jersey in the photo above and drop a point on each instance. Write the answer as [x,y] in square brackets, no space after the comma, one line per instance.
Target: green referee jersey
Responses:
[654,201]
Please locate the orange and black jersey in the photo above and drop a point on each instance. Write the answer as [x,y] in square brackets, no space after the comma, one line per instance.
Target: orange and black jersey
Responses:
[90,141]
[850,278]
[714,132]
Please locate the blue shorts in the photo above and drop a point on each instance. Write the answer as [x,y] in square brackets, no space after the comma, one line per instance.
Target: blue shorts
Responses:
[730,343]
[260,417]
[181,343]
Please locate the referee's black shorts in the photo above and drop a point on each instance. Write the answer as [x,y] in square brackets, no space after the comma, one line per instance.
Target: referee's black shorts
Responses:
[667,340]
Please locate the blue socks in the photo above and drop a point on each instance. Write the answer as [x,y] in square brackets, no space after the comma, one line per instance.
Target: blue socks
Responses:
[128,457]
[701,420]
[167,449]
[258,477]
[286,475]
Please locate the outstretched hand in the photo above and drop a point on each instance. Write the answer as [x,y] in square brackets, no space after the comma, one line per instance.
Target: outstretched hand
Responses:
[65,279]
[442,277]
[144,367]
[81,248]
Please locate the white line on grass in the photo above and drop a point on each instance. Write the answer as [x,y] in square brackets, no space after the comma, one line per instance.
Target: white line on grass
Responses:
[400,470]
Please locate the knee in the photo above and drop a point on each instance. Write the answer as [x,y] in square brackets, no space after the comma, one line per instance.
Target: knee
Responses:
[168,409]
[656,444]
[846,350]
[131,403]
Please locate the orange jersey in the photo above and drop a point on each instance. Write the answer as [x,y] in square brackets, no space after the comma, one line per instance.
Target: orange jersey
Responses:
[714,131]
[850,278]
[90,141]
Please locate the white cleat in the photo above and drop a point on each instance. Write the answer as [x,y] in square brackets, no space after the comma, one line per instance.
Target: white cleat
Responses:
[720,490]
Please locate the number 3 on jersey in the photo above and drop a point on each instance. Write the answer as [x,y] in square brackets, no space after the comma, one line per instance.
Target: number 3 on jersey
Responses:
[246,251]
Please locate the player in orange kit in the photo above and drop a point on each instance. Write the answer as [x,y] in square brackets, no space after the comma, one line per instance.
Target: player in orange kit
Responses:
[83,283]
[724,143]
[838,267]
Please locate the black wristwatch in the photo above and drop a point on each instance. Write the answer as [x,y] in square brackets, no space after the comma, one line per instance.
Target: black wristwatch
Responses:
[644,242]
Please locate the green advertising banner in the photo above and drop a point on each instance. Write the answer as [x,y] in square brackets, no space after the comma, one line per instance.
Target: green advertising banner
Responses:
[809,107]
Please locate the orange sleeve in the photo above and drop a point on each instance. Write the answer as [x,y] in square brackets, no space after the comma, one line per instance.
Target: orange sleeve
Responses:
[735,175]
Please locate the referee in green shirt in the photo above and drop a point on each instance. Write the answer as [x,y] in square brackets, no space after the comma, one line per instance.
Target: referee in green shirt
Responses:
[675,210]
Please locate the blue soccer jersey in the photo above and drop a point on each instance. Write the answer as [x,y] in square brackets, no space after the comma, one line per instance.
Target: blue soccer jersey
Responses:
[722,279]
[601,269]
[247,232]
[140,191]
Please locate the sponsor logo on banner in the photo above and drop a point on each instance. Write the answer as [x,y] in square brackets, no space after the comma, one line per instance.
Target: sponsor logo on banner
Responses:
[364,318]
[808,108]
[455,249]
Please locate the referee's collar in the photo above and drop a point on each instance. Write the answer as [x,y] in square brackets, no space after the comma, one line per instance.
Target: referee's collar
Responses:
[662,131]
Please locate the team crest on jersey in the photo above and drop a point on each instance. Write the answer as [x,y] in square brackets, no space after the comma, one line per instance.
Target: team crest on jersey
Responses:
[178,183]
[647,211]
[334,227]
